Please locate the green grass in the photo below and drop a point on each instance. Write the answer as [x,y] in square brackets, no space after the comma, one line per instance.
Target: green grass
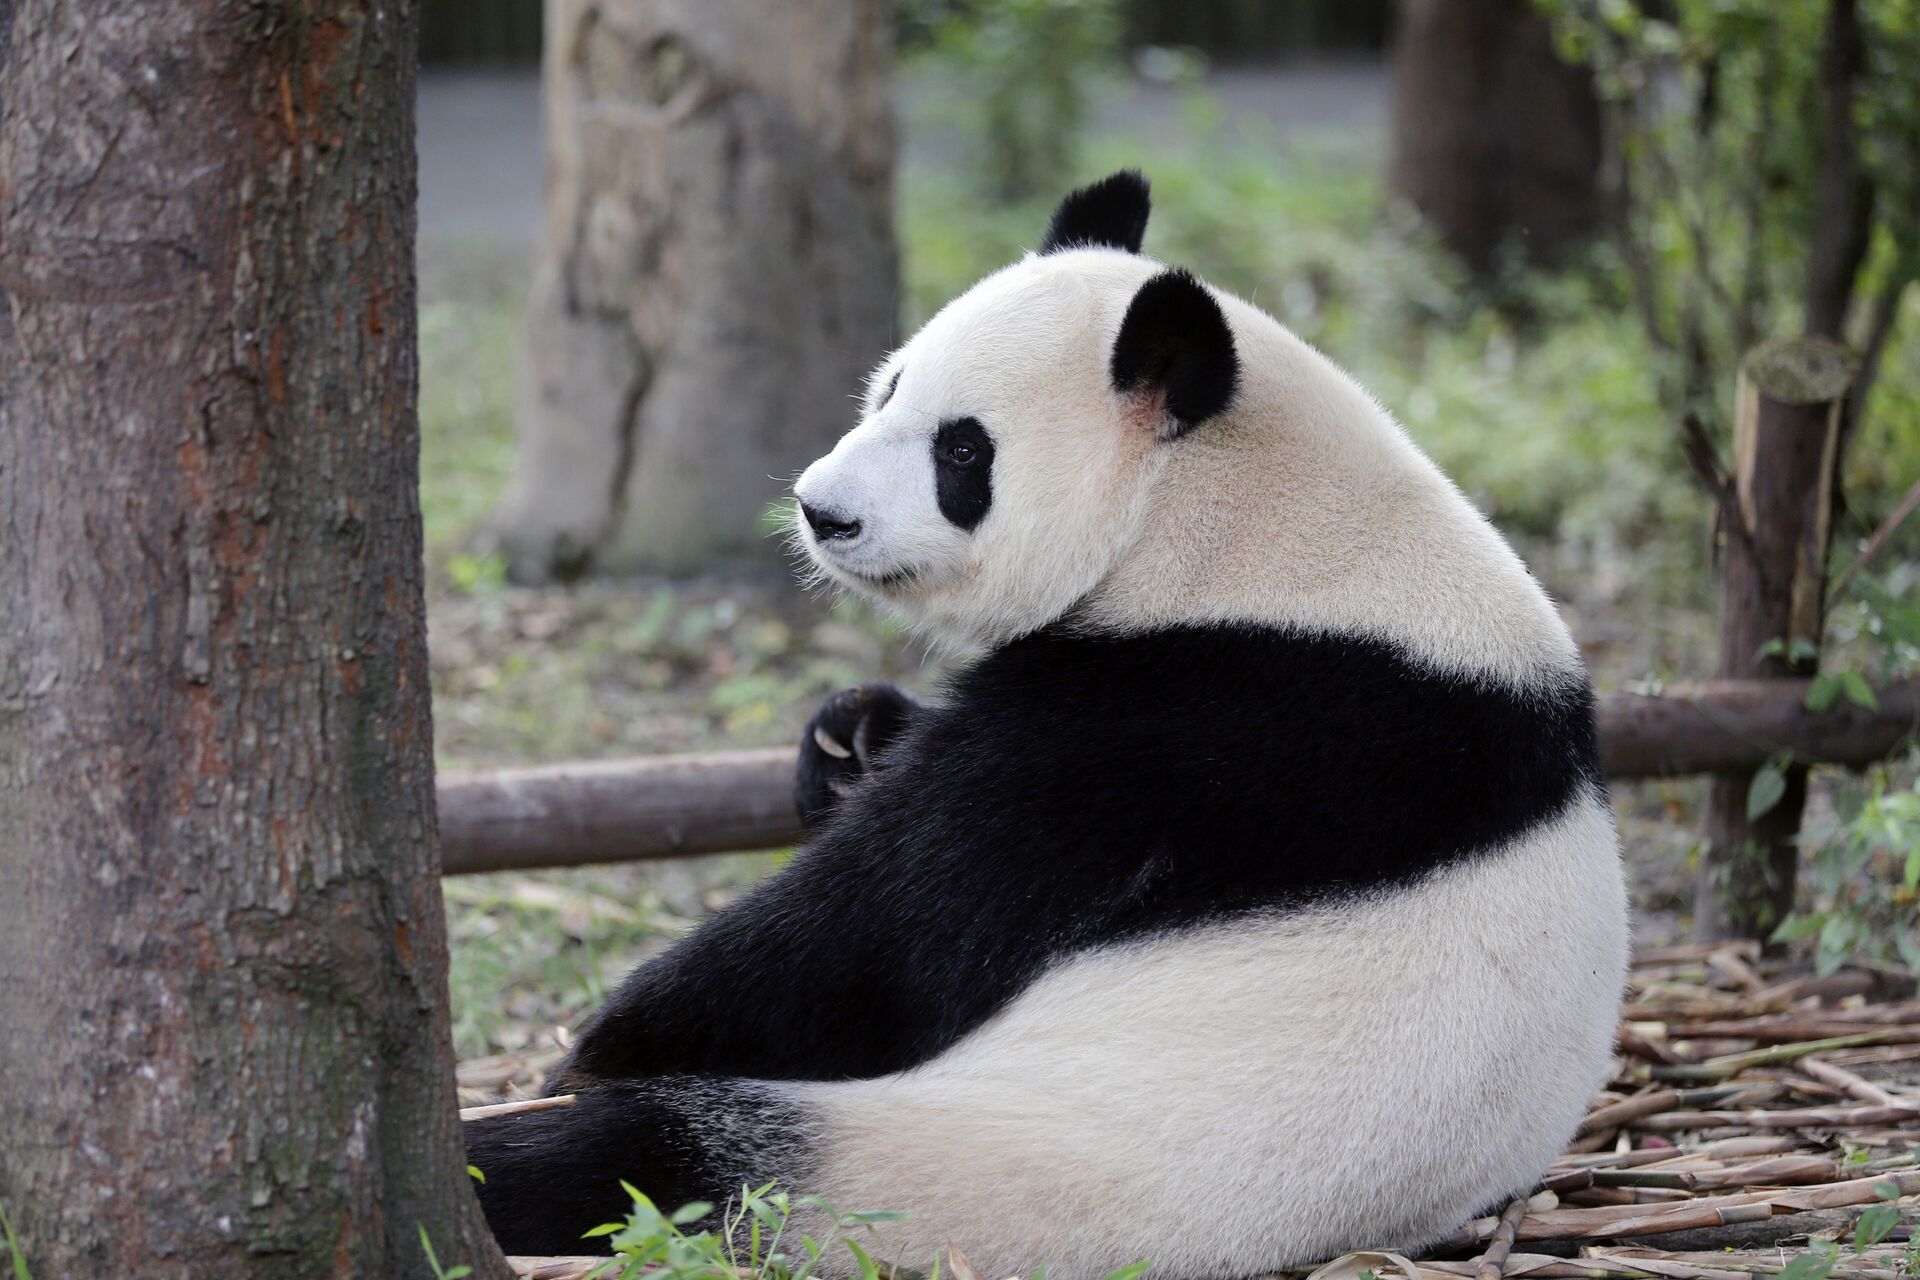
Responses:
[14,1253]
[758,1239]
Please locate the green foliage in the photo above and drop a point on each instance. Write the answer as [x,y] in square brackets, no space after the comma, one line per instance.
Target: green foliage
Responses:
[14,1253]
[1812,1265]
[1768,787]
[1826,688]
[1017,74]
[1864,854]
[1865,861]
[1877,1223]
[1718,108]
[755,1242]
[457,1272]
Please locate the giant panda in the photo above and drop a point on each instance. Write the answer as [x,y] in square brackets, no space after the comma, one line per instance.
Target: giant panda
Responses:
[1251,896]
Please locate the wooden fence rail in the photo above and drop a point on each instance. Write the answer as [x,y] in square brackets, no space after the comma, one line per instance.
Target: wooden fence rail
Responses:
[672,806]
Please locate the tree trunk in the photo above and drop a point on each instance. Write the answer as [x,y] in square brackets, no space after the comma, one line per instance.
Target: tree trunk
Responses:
[1786,469]
[1496,140]
[222,947]
[717,274]
[1843,194]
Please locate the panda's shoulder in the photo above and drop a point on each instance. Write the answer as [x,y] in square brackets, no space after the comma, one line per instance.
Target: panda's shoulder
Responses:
[1232,743]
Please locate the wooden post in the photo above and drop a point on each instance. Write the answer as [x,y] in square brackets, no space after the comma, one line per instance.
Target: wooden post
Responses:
[1777,515]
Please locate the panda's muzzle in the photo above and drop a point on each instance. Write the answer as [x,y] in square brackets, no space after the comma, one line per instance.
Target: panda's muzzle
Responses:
[830,526]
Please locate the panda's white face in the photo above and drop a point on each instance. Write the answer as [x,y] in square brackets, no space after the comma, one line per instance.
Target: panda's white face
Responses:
[996,473]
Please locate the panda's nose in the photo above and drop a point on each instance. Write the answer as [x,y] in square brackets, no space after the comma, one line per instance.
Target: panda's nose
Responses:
[830,525]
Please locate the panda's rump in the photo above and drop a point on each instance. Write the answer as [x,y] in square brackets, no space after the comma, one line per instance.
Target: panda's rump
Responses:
[1261,1091]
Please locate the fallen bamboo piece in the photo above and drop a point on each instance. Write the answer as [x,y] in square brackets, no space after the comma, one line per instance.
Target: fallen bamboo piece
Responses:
[1841,1078]
[1613,1115]
[1641,1220]
[1743,1263]
[563,1268]
[1494,1260]
[514,1108]
[1663,1179]
[1781,1031]
[1783,1118]
[1780,1171]
[1617,1196]
[1734,1063]
[1572,1180]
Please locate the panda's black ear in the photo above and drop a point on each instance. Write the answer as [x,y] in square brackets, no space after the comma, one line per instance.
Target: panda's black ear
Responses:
[1176,348]
[1110,214]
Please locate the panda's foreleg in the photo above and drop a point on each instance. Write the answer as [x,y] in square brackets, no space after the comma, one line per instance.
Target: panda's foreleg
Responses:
[846,739]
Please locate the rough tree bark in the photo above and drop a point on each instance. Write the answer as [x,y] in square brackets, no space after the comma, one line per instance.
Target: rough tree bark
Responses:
[1496,140]
[225,1046]
[1779,516]
[717,274]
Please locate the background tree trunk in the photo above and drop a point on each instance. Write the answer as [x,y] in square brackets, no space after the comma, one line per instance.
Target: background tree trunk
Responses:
[222,949]
[1779,521]
[718,273]
[1843,195]
[1495,139]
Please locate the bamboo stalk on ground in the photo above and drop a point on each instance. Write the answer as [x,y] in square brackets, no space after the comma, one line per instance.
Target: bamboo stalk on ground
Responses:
[1789,1118]
[1646,1220]
[1494,1260]
[514,1108]
[1847,1081]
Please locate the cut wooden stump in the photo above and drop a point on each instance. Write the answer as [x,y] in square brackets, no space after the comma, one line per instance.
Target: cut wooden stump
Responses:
[1778,514]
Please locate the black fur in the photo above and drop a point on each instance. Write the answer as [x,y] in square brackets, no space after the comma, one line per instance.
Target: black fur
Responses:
[1175,341]
[553,1175]
[863,722]
[1079,790]
[1110,214]
[963,471]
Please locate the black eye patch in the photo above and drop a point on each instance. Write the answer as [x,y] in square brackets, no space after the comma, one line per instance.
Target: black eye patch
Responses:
[963,471]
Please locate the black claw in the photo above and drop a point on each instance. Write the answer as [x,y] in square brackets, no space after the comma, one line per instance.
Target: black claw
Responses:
[842,742]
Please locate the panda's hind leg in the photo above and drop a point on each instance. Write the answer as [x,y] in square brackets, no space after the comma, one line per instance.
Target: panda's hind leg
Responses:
[552,1175]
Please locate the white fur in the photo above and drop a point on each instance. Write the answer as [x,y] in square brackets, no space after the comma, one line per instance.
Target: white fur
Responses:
[1261,1093]
[1279,1088]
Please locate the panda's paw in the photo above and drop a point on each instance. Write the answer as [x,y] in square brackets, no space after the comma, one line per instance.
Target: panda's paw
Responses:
[841,743]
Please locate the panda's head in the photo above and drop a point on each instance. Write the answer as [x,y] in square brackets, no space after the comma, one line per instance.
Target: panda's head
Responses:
[1005,454]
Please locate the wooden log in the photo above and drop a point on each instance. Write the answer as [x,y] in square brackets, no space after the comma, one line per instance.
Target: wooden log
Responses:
[617,811]
[1778,519]
[671,806]
[1734,725]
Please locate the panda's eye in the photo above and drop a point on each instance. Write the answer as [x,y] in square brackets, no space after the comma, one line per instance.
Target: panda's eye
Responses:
[960,453]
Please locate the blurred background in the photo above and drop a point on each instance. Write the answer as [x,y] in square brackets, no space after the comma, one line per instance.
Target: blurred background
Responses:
[661,244]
